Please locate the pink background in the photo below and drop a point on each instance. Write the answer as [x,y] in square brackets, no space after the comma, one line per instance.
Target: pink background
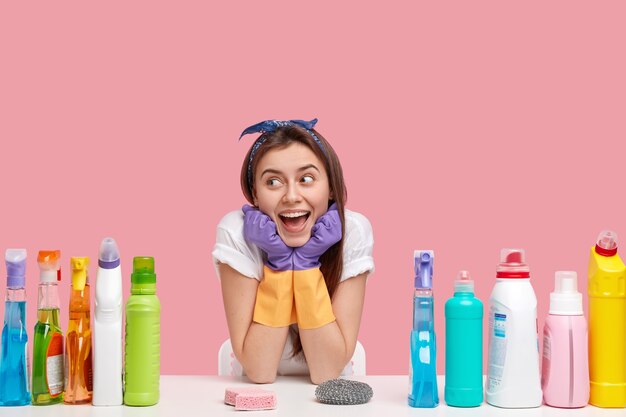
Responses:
[462,127]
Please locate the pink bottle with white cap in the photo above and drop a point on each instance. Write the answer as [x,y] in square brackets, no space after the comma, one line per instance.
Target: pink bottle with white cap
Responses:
[565,370]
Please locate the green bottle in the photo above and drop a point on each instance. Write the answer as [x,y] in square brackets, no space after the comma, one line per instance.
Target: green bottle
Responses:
[47,386]
[142,356]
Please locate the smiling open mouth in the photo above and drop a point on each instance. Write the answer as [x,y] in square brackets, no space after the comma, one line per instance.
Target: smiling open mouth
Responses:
[294,221]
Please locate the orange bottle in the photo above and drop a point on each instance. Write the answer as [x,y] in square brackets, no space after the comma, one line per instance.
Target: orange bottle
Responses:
[78,362]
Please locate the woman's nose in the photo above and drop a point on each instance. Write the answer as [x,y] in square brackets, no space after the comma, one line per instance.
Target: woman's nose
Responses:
[292,194]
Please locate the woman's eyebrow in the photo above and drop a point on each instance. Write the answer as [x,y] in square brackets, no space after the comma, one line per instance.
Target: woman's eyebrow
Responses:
[304,168]
[278,172]
[271,171]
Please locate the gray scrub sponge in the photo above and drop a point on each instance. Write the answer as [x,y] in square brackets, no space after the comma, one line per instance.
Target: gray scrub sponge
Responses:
[343,392]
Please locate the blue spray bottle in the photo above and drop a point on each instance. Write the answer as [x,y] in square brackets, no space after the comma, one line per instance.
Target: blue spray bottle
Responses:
[14,367]
[423,372]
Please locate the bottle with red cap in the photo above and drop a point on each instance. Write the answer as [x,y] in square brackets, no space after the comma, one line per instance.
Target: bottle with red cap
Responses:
[513,377]
[607,323]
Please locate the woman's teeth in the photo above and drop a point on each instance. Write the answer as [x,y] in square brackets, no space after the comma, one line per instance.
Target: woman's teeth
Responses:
[295,214]
[294,221]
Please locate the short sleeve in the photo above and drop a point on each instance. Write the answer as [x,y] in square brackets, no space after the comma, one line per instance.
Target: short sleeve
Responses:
[232,249]
[358,246]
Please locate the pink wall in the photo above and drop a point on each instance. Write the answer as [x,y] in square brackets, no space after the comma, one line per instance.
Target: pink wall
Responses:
[461,127]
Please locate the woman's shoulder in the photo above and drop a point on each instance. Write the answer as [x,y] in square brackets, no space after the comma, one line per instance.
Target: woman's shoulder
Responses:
[358,246]
[358,227]
[231,247]
[232,222]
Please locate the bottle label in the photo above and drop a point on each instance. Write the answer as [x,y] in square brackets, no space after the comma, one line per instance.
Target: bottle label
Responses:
[497,348]
[547,356]
[54,365]
[546,346]
[28,368]
[88,371]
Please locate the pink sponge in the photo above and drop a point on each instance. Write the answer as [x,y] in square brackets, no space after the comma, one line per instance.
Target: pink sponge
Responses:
[265,400]
[231,393]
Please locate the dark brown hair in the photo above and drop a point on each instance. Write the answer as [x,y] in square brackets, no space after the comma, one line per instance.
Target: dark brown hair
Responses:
[332,260]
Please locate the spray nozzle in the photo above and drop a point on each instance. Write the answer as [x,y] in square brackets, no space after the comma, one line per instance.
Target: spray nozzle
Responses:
[606,245]
[16,267]
[49,265]
[79,272]
[424,260]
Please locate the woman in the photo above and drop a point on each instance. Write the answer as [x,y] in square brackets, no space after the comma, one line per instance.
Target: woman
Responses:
[293,266]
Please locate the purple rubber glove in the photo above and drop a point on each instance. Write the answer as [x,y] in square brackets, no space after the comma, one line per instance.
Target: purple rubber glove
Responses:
[325,233]
[258,228]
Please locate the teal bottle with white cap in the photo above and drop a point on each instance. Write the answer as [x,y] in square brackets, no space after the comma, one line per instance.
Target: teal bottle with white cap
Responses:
[464,345]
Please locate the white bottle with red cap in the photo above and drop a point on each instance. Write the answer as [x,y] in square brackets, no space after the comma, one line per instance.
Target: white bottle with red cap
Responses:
[513,377]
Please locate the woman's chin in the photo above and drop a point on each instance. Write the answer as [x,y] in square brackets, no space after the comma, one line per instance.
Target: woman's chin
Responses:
[295,240]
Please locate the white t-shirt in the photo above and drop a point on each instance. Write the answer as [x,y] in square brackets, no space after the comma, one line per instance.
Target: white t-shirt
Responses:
[246,258]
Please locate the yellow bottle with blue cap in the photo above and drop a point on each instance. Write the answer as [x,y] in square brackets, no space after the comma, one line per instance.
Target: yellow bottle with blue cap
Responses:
[607,323]
[78,362]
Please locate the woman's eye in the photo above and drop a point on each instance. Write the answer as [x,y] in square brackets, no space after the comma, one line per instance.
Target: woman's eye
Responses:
[272,182]
[307,179]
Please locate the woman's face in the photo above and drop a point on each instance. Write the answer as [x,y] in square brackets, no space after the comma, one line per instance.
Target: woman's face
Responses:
[291,186]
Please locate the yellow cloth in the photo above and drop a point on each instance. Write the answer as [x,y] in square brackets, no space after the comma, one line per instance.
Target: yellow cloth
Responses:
[274,299]
[313,306]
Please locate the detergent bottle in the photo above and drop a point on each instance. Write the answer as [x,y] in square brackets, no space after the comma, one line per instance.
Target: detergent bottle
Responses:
[607,323]
[143,311]
[423,391]
[78,362]
[513,378]
[565,369]
[107,364]
[464,345]
[48,378]
[14,367]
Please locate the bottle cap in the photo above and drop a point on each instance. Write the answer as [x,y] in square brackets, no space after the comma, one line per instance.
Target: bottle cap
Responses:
[512,264]
[464,282]
[566,300]
[143,270]
[424,268]
[49,265]
[16,267]
[109,256]
[606,245]
[79,272]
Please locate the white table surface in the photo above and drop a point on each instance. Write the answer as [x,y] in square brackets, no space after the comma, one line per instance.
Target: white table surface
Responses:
[188,396]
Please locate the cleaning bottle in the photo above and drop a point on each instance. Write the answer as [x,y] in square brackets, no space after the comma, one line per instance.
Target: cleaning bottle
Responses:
[513,378]
[142,357]
[565,369]
[78,365]
[607,323]
[14,368]
[423,370]
[464,345]
[47,387]
[107,364]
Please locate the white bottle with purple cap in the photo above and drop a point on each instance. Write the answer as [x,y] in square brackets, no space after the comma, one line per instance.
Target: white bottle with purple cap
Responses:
[107,364]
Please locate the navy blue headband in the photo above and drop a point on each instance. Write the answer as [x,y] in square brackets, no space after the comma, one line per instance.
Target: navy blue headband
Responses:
[269,126]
